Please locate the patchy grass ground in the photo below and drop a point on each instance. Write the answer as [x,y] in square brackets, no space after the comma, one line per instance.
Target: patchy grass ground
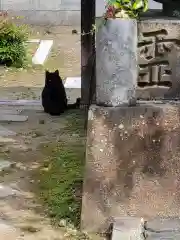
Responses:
[48,161]
[61,174]
[47,155]
[65,56]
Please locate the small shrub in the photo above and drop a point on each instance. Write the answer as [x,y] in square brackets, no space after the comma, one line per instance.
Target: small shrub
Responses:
[12,43]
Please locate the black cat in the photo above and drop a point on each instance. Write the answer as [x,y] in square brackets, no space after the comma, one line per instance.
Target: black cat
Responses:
[54,99]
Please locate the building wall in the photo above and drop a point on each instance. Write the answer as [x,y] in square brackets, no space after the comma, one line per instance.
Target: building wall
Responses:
[66,12]
[100,6]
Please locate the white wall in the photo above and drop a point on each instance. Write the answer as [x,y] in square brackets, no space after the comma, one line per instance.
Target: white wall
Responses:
[100,6]
[43,5]
[54,11]
[154,5]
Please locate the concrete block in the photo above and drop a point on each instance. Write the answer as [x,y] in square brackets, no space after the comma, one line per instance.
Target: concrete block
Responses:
[132,164]
[9,111]
[5,164]
[128,228]
[163,228]
[21,102]
[21,105]
[13,118]
[42,52]
[4,132]
[6,191]
[73,82]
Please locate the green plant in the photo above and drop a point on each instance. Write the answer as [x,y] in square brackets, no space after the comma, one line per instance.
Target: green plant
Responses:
[12,43]
[125,8]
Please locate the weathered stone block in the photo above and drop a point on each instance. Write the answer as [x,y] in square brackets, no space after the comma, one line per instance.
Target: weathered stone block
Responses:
[128,228]
[159,228]
[116,64]
[157,37]
[132,164]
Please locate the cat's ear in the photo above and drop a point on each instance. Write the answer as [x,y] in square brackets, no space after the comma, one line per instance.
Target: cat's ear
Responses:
[57,72]
[47,73]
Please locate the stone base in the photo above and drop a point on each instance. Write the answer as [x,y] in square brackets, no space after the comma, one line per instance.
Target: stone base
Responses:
[132,164]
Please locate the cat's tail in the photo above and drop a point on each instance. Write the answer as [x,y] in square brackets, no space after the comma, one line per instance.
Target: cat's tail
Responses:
[74,105]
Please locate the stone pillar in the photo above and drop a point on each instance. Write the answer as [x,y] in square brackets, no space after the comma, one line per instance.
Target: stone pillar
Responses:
[133,153]
[116,62]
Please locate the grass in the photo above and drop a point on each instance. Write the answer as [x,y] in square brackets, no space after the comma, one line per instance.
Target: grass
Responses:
[60,181]
[61,175]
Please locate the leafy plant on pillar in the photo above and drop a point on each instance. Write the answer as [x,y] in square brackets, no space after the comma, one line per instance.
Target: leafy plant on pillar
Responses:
[125,8]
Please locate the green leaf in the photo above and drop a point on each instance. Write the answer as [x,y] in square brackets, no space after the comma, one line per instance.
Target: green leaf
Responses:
[130,7]
[137,4]
[117,5]
[145,6]
[110,3]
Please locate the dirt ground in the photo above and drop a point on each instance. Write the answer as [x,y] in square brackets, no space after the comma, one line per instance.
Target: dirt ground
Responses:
[19,211]
[19,215]
[65,56]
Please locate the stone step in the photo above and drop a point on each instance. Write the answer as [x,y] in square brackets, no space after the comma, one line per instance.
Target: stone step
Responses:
[127,228]
[20,105]
[133,228]
[22,108]
[73,82]
[162,228]
[4,132]
[42,52]
[163,236]
[7,191]
[9,111]
[5,164]
[21,102]
[13,118]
